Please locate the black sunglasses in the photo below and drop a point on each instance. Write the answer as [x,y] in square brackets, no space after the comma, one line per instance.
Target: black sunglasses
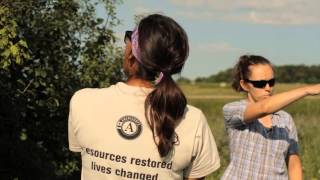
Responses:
[262,83]
[127,36]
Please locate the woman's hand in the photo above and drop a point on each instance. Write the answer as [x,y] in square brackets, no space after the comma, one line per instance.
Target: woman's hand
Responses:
[313,90]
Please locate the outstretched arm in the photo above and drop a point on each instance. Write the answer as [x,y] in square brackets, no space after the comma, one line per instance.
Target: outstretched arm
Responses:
[277,102]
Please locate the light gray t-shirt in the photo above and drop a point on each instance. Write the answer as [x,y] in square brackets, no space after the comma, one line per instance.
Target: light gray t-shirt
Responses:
[109,128]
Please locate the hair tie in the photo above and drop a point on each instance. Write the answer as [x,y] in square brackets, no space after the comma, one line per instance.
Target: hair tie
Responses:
[137,53]
[135,44]
[159,78]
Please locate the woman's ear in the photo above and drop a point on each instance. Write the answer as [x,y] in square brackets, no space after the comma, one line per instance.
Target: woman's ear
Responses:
[130,56]
[132,63]
[244,85]
[131,59]
[129,64]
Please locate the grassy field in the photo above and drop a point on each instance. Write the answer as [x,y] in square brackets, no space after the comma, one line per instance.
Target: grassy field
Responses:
[306,113]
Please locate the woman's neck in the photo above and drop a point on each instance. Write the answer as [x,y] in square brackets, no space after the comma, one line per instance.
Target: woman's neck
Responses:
[251,99]
[139,82]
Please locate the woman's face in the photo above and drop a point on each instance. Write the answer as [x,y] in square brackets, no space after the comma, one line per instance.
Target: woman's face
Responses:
[127,52]
[127,56]
[259,72]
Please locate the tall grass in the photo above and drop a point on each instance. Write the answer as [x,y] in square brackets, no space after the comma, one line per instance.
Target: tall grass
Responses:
[306,115]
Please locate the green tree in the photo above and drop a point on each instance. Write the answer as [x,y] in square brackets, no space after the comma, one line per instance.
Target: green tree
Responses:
[48,50]
[298,73]
[183,80]
[284,74]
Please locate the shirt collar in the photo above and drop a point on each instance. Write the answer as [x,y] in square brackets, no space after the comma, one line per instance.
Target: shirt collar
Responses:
[133,90]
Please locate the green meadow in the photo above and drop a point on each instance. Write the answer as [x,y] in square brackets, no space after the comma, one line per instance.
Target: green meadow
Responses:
[306,113]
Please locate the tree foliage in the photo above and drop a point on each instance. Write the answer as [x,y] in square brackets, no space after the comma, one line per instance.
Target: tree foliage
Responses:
[283,74]
[298,74]
[183,80]
[48,50]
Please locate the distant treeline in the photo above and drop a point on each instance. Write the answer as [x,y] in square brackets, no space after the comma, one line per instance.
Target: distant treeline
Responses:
[284,74]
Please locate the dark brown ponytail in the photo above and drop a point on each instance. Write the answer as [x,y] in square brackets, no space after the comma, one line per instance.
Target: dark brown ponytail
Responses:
[165,106]
[164,48]
[241,70]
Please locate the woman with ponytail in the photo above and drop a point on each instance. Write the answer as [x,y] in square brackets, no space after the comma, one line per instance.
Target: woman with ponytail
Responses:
[263,138]
[144,129]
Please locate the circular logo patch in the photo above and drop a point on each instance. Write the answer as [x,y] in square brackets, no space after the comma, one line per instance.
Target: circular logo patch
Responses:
[129,127]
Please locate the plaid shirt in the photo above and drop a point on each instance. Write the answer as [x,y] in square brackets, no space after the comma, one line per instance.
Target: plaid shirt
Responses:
[257,152]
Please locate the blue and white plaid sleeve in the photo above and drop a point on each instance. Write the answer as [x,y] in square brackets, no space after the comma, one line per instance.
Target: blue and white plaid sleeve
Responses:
[293,137]
[233,114]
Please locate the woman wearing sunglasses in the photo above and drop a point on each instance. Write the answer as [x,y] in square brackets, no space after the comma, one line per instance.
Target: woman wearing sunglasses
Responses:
[144,129]
[263,138]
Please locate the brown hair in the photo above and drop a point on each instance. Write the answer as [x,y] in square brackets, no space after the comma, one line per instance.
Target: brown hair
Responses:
[164,48]
[241,70]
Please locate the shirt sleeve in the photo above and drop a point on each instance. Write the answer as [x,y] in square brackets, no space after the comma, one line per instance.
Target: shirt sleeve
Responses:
[205,157]
[293,137]
[233,114]
[73,143]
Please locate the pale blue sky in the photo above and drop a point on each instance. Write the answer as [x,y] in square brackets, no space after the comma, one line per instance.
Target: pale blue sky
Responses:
[284,31]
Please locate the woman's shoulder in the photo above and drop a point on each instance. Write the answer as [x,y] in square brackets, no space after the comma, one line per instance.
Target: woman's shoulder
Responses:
[192,110]
[85,92]
[285,116]
[89,94]
[234,105]
[192,120]
[283,113]
[194,115]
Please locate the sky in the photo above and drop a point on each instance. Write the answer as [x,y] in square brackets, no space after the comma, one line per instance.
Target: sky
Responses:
[219,31]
